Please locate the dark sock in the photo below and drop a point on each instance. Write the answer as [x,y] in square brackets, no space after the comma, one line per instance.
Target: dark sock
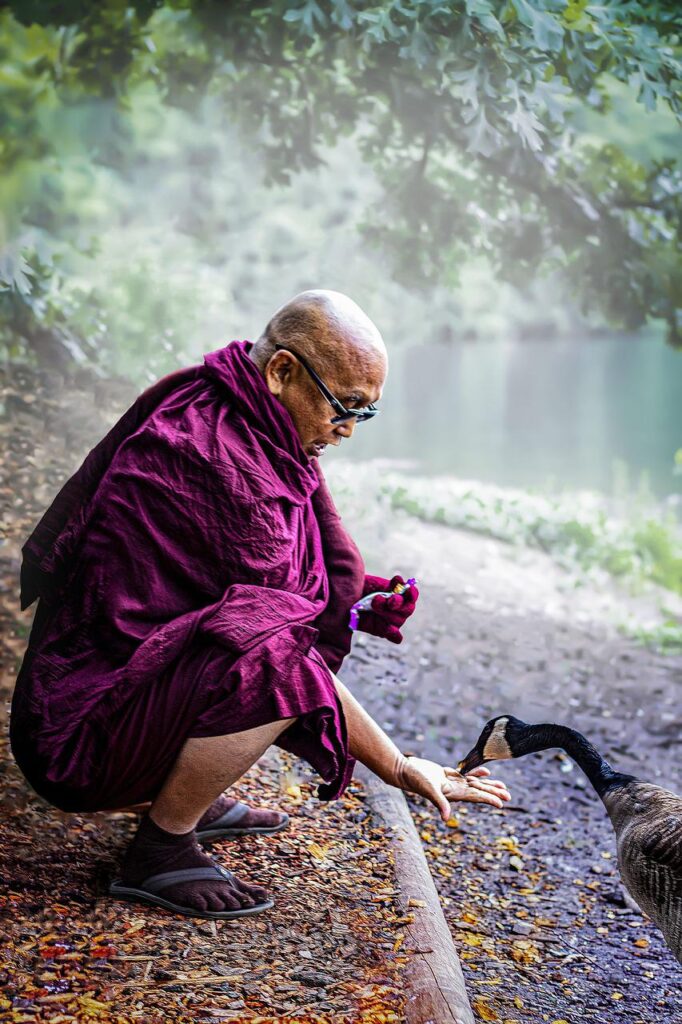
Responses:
[154,851]
[255,817]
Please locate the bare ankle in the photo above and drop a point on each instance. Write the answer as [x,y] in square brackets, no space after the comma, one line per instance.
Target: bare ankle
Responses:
[178,826]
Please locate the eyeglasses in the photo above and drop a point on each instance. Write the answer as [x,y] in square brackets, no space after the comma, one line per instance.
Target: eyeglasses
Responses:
[343,414]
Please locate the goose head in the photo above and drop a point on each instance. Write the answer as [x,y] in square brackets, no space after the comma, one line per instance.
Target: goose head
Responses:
[501,738]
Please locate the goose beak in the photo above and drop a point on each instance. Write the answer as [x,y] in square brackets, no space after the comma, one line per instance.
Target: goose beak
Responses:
[472,760]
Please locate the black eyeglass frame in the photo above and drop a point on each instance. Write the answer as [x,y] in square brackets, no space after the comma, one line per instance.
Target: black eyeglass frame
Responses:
[343,414]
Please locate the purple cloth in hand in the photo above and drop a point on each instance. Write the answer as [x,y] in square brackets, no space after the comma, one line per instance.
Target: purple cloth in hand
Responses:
[186,573]
[387,614]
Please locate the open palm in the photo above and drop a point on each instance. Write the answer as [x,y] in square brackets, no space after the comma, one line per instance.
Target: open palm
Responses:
[441,784]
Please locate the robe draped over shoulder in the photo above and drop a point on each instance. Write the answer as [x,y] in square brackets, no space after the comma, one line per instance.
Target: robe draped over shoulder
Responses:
[194,579]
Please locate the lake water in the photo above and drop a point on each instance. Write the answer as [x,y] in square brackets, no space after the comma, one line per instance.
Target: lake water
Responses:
[533,413]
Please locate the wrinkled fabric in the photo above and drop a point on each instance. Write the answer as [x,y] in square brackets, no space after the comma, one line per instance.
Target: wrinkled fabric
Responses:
[194,579]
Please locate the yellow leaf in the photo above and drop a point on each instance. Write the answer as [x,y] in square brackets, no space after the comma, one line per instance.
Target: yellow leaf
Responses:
[426,836]
[507,843]
[317,851]
[484,1011]
[471,939]
[525,952]
[642,943]
[469,917]
[518,1002]
[616,995]
[452,822]
[295,793]
[416,903]
[93,1006]
[562,1021]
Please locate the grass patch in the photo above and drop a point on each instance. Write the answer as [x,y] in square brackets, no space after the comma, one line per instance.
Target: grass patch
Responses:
[578,529]
[665,638]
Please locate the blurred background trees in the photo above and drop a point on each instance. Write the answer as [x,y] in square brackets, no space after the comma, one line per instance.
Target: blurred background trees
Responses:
[471,171]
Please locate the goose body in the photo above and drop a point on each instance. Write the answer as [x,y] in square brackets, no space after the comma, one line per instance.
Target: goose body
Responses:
[647,819]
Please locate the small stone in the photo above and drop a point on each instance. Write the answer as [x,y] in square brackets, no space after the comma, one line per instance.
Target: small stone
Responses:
[161,975]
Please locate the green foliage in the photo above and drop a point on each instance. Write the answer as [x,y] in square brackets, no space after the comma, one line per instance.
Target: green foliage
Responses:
[578,530]
[654,543]
[468,111]
[665,638]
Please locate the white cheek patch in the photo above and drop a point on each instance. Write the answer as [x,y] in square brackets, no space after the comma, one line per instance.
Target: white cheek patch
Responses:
[496,747]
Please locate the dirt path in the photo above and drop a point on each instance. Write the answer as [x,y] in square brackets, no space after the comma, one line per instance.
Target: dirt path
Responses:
[532,893]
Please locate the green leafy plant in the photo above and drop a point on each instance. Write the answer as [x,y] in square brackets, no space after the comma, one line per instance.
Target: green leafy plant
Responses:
[477,117]
[578,530]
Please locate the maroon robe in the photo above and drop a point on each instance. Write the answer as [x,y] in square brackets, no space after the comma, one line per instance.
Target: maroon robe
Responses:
[194,580]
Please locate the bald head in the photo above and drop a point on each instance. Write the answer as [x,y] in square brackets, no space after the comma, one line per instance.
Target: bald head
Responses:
[325,326]
[330,333]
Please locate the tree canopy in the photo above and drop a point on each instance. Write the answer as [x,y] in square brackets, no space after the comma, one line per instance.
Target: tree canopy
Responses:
[474,114]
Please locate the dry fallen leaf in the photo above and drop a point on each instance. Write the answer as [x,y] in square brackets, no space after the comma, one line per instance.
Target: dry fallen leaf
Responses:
[484,1010]
[508,843]
[317,851]
[525,952]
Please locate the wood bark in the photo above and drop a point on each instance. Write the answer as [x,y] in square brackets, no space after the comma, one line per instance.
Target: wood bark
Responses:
[436,993]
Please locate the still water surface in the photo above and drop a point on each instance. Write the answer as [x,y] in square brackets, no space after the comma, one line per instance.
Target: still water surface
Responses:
[533,413]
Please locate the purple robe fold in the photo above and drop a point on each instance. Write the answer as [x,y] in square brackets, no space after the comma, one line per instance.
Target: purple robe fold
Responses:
[194,579]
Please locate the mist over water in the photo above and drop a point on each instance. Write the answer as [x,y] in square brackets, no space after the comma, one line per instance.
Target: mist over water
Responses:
[568,412]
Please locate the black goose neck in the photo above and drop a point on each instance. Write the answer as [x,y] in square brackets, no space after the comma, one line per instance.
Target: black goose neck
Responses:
[597,769]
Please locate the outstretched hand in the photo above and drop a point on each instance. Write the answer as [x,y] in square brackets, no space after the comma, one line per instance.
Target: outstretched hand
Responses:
[441,784]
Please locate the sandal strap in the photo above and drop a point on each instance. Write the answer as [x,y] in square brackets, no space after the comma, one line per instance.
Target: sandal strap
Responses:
[156,882]
[230,817]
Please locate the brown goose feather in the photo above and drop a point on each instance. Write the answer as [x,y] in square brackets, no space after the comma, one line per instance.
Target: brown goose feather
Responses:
[647,821]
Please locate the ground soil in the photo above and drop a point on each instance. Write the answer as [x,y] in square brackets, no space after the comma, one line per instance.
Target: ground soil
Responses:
[532,893]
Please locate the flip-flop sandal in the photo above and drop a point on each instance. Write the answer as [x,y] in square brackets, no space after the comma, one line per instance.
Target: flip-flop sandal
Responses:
[228,824]
[147,892]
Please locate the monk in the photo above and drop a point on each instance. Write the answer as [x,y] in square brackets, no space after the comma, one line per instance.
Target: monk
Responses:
[194,584]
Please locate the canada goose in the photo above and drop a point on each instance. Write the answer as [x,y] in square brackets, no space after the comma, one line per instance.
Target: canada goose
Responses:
[647,819]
